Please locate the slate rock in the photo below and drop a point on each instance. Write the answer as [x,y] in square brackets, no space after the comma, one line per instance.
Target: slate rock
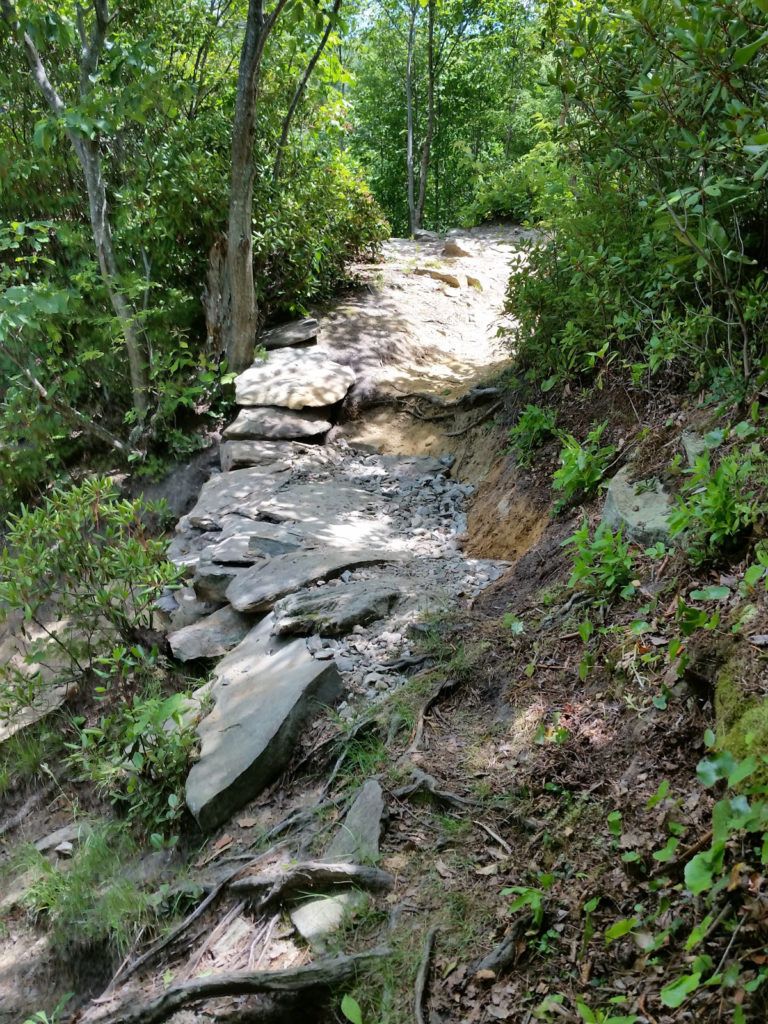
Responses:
[265,692]
[314,920]
[256,589]
[210,637]
[293,333]
[241,491]
[642,516]
[357,841]
[272,423]
[694,446]
[334,611]
[293,380]
[211,580]
[411,467]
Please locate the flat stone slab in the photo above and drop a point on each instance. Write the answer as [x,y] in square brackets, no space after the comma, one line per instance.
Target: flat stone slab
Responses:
[241,491]
[272,423]
[293,380]
[412,467]
[212,580]
[265,692]
[357,841]
[210,637]
[256,589]
[334,610]
[238,454]
[642,516]
[293,333]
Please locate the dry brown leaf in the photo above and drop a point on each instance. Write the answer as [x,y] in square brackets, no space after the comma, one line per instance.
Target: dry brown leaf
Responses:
[218,848]
[443,870]
[485,975]
[247,822]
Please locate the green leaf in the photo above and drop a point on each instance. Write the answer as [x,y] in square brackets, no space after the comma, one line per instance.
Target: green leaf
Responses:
[675,994]
[711,769]
[668,852]
[714,593]
[746,53]
[622,927]
[659,795]
[351,1010]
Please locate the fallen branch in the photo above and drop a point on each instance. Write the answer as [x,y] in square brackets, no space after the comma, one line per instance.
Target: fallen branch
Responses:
[423,975]
[307,877]
[323,974]
[505,953]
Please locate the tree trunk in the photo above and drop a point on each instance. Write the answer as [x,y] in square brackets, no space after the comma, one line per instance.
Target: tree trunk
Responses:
[240,330]
[409,107]
[430,117]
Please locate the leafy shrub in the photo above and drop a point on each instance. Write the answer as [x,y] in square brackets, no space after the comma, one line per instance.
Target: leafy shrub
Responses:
[139,757]
[533,427]
[582,466]
[717,507]
[604,564]
[82,569]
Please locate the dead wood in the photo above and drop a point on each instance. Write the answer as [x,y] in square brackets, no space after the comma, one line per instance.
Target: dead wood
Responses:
[505,953]
[423,782]
[418,733]
[166,941]
[308,877]
[323,974]
[423,975]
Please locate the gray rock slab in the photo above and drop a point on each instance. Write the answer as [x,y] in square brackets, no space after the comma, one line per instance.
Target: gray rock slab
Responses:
[265,692]
[643,516]
[211,580]
[241,491]
[293,333]
[357,841]
[210,637]
[412,467]
[694,446]
[334,611]
[293,380]
[256,589]
[339,515]
[273,423]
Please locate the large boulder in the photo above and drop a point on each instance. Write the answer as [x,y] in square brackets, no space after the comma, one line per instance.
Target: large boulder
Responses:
[265,692]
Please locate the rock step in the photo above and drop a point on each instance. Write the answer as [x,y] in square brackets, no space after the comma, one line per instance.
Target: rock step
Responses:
[294,379]
[271,423]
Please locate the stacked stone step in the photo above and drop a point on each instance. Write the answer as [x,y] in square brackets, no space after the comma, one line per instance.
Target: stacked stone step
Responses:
[287,397]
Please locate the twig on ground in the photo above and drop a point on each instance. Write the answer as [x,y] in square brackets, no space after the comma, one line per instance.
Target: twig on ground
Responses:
[423,975]
[494,835]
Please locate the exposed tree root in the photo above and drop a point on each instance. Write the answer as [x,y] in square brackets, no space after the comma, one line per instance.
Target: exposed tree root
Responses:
[309,876]
[323,974]
[423,976]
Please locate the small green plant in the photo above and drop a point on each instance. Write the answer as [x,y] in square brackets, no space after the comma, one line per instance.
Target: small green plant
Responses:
[582,466]
[139,757]
[534,426]
[717,508]
[41,1017]
[603,565]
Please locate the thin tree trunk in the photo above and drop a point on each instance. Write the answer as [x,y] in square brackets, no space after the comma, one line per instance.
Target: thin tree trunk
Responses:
[88,155]
[240,330]
[430,117]
[300,92]
[409,107]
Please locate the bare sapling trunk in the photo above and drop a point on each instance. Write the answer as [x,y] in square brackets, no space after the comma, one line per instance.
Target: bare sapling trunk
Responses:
[89,157]
[412,225]
[424,170]
[240,330]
